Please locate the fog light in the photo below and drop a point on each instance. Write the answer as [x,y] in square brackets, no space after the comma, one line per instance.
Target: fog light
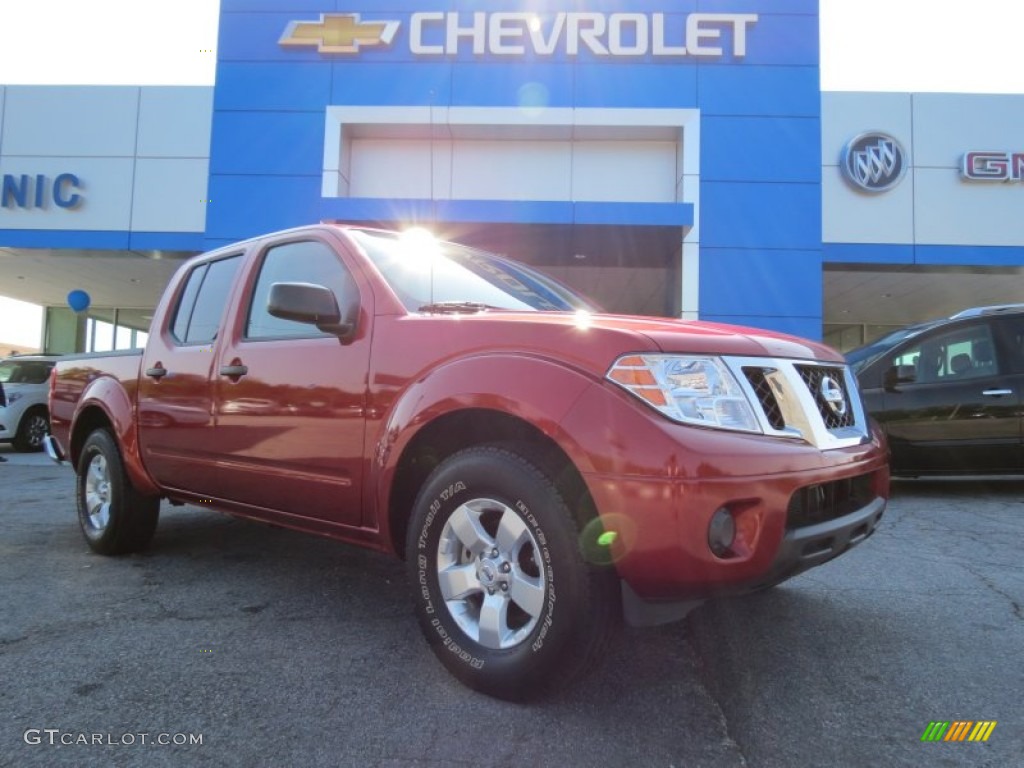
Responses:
[721,532]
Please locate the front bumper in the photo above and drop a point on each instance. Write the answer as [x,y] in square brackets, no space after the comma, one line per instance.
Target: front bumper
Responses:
[8,424]
[658,485]
[814,545]
[661,548]
[800,550]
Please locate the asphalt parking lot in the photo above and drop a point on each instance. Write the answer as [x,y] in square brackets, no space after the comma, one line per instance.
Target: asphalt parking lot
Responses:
[275,648]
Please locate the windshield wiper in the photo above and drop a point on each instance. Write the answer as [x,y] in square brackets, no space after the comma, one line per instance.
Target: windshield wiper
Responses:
[455,306]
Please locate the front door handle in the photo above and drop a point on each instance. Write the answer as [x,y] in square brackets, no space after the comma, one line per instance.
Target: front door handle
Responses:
[234,370]
[997,392]
[156,372]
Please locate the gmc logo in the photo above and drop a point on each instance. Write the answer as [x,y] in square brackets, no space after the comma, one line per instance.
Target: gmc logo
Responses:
[993,166]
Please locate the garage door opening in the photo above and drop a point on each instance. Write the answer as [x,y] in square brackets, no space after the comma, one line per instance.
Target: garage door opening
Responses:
[625,270]
[864,302]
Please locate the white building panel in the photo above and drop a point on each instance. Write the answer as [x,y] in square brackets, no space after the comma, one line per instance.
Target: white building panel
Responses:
[390,168]
[933,205]
[846,115]
[591,171]
[175,121]
[950,211]
[170,195]
[512,170]
[851,216]
[848,214]
[947,125]
[476,153]
[105,187]
[70,121]
[688,190]
[3,93]
[621,171]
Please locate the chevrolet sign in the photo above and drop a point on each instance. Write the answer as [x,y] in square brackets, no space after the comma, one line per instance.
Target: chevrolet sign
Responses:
[436,33]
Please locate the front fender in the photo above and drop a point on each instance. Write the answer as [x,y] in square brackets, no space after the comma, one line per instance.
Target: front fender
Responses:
[537,390]
[109,396]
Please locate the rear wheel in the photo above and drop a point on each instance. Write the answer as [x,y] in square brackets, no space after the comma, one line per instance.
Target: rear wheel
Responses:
[34,426]
[502,592]
[115,518]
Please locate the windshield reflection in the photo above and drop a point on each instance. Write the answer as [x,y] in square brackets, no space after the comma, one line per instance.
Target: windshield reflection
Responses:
[425,273]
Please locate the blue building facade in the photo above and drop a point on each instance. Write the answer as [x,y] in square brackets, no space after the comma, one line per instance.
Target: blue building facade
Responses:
[669,158]
[328,110]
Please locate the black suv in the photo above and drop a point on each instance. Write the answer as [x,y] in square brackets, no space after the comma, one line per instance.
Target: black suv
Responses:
[948,392]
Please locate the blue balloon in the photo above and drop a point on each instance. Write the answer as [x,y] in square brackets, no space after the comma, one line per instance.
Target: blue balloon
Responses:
[78,300]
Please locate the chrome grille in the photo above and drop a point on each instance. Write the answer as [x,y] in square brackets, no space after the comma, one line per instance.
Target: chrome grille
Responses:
[834,415]
[763,389]
[803,399]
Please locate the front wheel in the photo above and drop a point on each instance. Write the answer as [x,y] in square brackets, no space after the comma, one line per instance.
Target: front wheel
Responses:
[502,592]
[115,518]
[33,428]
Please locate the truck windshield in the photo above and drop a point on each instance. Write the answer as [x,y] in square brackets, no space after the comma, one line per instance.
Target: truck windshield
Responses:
[428,274]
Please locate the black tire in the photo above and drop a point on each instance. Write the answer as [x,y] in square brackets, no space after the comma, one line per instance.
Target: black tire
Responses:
[115,518]
[521,612]
[34,426]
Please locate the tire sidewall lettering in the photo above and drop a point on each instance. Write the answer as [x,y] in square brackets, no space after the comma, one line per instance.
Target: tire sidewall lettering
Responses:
[436,613]
[435,506]
[92,533]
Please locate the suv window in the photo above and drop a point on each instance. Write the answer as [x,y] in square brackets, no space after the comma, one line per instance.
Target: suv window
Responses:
[197,318]
[1013,332]
[304,262]
[961,353]
[25,371]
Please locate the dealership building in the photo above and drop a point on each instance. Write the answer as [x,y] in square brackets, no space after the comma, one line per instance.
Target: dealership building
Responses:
[665,157]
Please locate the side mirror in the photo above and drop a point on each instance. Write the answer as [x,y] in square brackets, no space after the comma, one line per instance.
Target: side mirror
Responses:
[313,304]
[898,374]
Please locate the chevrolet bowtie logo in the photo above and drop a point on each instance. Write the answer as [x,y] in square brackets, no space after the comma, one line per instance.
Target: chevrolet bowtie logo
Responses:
[338,33]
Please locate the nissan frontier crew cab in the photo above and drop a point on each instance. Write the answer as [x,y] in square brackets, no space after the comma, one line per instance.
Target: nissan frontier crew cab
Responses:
[543,468]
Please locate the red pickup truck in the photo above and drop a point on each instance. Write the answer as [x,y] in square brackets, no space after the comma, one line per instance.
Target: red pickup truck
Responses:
[543,468]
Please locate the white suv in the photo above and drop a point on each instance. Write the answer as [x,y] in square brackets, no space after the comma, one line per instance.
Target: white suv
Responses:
[25,419]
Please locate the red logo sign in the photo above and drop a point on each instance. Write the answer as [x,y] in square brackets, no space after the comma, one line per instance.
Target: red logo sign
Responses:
[993,166]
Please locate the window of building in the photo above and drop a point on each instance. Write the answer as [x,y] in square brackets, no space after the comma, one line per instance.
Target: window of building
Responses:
[112,329]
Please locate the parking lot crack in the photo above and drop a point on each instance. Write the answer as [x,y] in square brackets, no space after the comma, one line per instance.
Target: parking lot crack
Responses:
[1015,606]
[728,740]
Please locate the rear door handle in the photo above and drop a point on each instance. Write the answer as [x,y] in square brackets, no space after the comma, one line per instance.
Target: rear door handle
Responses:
[234,370]
[157,372]
[997,392]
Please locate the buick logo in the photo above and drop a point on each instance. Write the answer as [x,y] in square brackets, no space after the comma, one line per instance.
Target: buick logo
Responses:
[873,162]
[833,395]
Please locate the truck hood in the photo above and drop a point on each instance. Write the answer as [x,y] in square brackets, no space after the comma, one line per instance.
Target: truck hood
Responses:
[596,340]
[669,335]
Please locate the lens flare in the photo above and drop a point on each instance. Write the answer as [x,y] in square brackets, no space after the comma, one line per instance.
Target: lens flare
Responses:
[533,98]
[607,539]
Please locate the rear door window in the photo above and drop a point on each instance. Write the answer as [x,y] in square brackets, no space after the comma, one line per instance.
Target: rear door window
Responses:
[201,307]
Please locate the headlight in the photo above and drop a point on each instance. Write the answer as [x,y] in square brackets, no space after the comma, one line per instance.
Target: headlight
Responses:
[687,388]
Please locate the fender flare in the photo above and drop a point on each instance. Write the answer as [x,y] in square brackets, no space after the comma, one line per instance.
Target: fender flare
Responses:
[539,391]
[108,395]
